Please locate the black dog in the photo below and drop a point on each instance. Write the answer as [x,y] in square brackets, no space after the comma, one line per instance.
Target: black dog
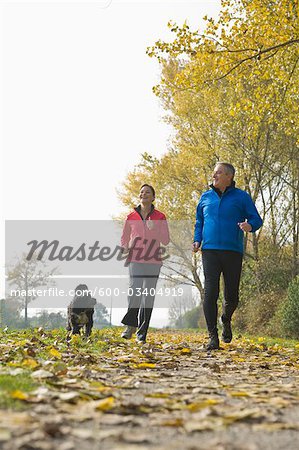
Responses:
[80,312]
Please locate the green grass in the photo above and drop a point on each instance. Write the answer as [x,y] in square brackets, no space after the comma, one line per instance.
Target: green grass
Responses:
[267,340]
[9,384]
[271,341]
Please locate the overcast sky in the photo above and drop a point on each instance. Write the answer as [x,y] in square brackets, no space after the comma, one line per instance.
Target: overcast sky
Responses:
[77,101]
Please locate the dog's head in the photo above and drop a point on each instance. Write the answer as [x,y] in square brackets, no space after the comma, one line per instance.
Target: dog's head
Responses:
[81,318]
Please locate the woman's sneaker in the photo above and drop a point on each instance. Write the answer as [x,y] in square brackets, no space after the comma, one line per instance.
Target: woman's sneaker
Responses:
[140,341]
[128,333]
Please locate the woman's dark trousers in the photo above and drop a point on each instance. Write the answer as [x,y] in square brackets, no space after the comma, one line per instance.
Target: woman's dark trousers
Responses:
[142,287]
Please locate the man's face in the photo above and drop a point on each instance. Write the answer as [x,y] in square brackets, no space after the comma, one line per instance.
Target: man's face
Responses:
[221,179]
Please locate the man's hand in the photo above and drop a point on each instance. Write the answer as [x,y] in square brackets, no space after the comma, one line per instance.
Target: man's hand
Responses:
[195,247]
[245,226]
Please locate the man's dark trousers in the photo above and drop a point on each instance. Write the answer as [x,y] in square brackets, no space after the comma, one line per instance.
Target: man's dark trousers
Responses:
[229,263]
[143,278]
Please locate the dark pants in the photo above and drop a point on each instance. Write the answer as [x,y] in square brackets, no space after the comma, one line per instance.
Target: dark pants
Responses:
[143,281]
[228,263]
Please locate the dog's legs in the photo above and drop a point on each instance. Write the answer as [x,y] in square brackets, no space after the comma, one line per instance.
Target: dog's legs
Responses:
[88,329]
[69,322]
[76,329]
[89,325]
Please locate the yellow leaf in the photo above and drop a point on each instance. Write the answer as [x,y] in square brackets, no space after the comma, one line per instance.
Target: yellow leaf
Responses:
[158,395]
[55,353]
[177,422]
[103,389]
[144,366]
[29,362]
[106,404]
[100,387]
[186,350]
[193,407]
[239,394]
[22,343]
[19,395]
[241,415]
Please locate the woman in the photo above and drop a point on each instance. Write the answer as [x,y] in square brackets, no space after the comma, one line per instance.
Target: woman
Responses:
[144,230]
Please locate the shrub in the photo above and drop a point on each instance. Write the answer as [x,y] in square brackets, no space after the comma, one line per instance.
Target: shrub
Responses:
[290,310]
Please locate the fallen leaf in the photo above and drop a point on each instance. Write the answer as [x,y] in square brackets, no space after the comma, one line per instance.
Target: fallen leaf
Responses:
[172,423]
[42,374]
[106,404]
[5,435]
[19,395]
[144,366]
[196,406]
[30,363]
[68,396]
[239,394]
[186,351]
[54,352]
[203,425]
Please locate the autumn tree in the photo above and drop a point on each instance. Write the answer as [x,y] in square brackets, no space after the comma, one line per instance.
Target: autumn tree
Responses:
[26,276]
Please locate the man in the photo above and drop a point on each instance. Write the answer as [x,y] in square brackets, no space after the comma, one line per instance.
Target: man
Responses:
[224,213]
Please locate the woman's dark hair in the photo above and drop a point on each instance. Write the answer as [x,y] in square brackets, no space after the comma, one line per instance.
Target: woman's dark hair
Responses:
[151,188]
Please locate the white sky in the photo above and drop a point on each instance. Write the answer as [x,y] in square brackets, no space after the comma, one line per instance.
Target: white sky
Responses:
[77,102]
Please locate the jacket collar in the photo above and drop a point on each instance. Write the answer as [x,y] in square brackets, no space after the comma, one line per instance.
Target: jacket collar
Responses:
[138,210]
[228,188]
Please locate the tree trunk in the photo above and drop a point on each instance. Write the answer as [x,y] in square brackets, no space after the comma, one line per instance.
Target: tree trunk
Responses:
[295,230]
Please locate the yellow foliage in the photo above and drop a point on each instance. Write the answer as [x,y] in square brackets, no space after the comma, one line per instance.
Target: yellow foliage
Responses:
[106,404]
[19,395]
[144,366]
[30,363]
[54,352]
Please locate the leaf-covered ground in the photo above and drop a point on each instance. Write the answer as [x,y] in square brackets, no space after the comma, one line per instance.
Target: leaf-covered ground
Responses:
[168,394]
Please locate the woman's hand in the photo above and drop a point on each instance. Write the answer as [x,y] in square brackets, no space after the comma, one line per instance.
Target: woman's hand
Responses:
[150,224]
[125,250]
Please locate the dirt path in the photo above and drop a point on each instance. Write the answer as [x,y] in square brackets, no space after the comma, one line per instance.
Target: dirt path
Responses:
[169,394]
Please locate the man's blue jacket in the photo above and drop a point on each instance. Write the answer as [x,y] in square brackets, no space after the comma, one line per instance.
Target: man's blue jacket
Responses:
[217,219]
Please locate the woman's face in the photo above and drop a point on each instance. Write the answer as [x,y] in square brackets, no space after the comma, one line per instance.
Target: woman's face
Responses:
[146,195]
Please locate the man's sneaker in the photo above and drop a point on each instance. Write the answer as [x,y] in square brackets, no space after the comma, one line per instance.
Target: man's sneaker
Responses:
[227,334]
[128,333]
[213,343]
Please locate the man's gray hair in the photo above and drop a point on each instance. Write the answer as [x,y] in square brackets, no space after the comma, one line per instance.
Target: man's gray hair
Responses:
[229,167]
